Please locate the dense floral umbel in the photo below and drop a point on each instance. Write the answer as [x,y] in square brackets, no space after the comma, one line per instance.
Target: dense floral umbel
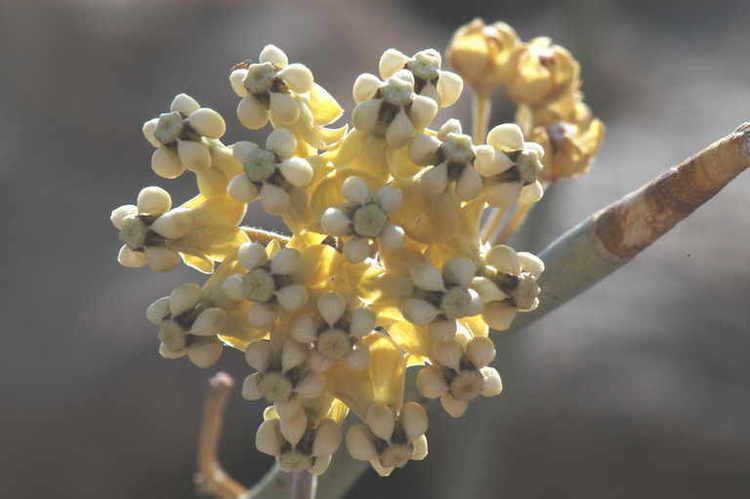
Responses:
[385,269]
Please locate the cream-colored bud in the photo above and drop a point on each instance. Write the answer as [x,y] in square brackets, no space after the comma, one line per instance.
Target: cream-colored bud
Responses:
[492,385]
[251,113]
[488,290]
[194,155]
[287,409]
[357,249]
[369,220]
[395,456]
[148,129]
[359,357]
[531,193]
[335,222]
[391,62]
[507,136]
[284,109]
[286,261]
[355,190]
[451,126]
[423,149]
[318,362]
[414,419]
[158,311]
[275,386]
[282,142]
[469,184]
[130,259]
[204,352]
[119,214]
[310,386]
[499,315]
[274,55]
[419,311]
[443,330]
[447,353]
[208,123]
[242,189]
[210,322]
[504,259]
[274,199]
[174,224]
[449,88]
[268,438]
[362,322]
[365,115]
[454,407]
[365,87]
[251,387]
[161,259]
[423,111]
[480,351]
[430,382]
[359,443]
[321,464]
[389,198]
[334,344]
[294,428]
[459,270]
[258,285]
[166,353]
[381,420]
[154,200]
[328,437]
[391,237]
[297,171]
[435,180]
[260,315]
[427,277]
[304,329]
[297,77]
[331,306]
[237,81]
[531,263]
[421,448]
[166,164]
[401,129]
[183,298]
[252,255]
[381,470]
[183,103]
[259,355]
[293,354]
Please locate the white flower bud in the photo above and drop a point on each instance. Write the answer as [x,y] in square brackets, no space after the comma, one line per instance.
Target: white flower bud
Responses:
[259,355]
[158,311]
[293,354]
[294,428]
[242,189]
[381,420]
[488,290]
[469,184]
[327,438]
[420,448]
[237,81]
[499,315]
[321,465]
[286,261]
[359,358]
[414,419]
[455,408]
[531,193]
[391,62]
[449,88]
[130,259]
[165,352]
[287,409]
[480,351]
[359,443]
[459,270]
[174,224]
[423,110]
[331,306]
[304,329]
[506,136]
[310,386]
[119,214]
[418,311]
[531,263]
[392,237]
[365,87]
[282,142]
[210,322]
[492,385]
[194,155]
[260,315]
[389,198]
[154,200]
[268,439]
[166,164]
[443,330]
[423,149]
[148,129]
[208,123]
[334,344]
[275,386]
[365,115]
[355,190]
[335,222]
[357,249]
[297,171]
[184,297]
[504,259]
[251,387]
[161,259]
[183,103]
[435,180]
[362,322]
[427,277]
[401,128]
[430,382]
[284,109]
[274,199]
[297,77]
[252,255]
[251,113]
[447,353]
[204,352]
[274,55]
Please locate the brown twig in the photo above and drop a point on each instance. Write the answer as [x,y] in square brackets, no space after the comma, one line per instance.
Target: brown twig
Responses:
[211,479]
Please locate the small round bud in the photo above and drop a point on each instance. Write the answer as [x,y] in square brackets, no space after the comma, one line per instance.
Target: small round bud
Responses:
[355,190]
[420,448]
[274,55]
[275,387]
[297,171]
[392,237]
[334,344]
[208,123]
[183,103]
[331,306]
[492,385]
[335,222]
[242,189]
[460,271]
[293,354]
[427,277]
[423,111]
[274,199]
[507,136]
[447,353]
[284,109]
[268,438]
[286,261]
[391,62]
[251,113]
[210,322]
[401,128]
[504,259]
[204,352]
[430,382]
[251,387]
[362,322]
[531,193]
[469,184]
[365,115]
[298,77]
[423,149]
[435,180]
[304,329]
[166,164]
[294,428]
[381,420]
[327,438]
[259,355]
[369,220]
[148,129]
[161,259]
[153,200]
[359,443]
[291,297]
[252,255]
[183,298]
[357,249]
[414,419]
[418,311]
[480,351]
[454,407]
[282,142]
[119,214]
[449,88]
[365,87]
[236,81]
[389,198]
[194,155]
[531,263]
[260,315]
[443,330]
[158,311]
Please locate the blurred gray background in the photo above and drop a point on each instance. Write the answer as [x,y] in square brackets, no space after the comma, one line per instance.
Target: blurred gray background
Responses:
[639,388]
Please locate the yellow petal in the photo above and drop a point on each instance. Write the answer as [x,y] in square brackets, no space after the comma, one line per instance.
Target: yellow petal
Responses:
[324,107]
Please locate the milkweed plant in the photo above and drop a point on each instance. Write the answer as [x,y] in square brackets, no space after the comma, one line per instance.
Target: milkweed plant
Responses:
[395,259]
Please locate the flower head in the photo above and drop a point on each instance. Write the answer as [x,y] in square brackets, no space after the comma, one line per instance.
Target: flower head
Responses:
[444,87]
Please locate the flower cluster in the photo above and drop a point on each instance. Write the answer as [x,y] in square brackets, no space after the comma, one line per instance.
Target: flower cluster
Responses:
[385,269]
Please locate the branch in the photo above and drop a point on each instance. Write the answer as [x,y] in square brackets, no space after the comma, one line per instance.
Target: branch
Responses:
[610,238]
[211,478]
